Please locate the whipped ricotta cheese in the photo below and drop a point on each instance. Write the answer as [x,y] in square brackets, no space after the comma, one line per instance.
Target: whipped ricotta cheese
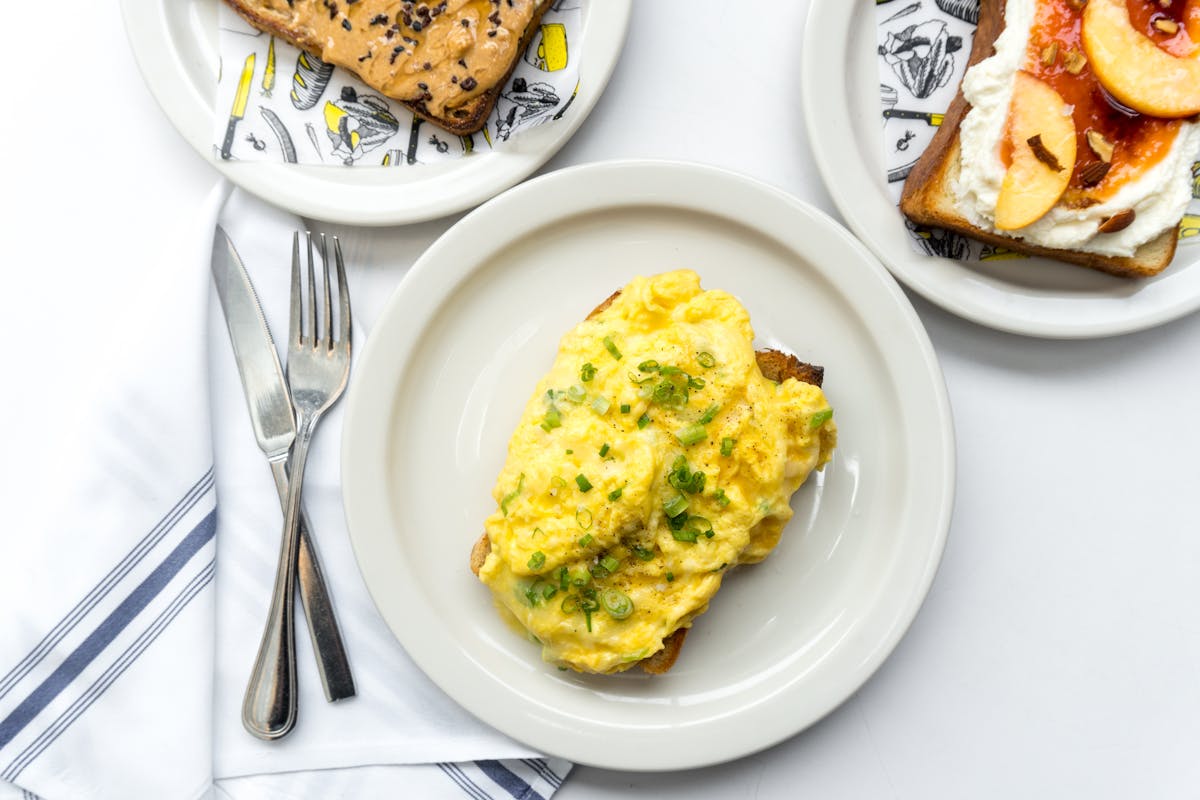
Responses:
[1159,196]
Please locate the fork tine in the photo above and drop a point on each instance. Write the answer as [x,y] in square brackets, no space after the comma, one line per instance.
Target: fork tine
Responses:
[343,295]
[327,309]
[311,328]
[294,325]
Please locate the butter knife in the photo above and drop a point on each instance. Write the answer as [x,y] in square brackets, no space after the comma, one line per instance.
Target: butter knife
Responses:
[275,427]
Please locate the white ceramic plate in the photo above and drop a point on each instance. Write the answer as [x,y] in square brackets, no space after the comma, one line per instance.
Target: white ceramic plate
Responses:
[449,367]
[1037,297]
[175,44]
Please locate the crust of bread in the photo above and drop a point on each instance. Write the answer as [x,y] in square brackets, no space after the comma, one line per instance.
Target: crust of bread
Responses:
[929,200]
[774,365]
[463,120]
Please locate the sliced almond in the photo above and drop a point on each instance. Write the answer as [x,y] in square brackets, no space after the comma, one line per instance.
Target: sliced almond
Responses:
[1078,4]
[1050,54]
[1093,173]
[1100,145]
[1164,3]
[1074,61]
[1167,26]
[1043,155]
[1117,222]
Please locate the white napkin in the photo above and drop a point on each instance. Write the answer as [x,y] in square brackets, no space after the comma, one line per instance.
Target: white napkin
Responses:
[133,611]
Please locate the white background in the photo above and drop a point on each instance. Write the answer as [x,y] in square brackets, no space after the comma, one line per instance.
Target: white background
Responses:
[1058,653]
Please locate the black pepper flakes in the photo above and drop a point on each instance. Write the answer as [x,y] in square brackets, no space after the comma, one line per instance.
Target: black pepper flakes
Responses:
[428,66]
[466,23]
[492,32]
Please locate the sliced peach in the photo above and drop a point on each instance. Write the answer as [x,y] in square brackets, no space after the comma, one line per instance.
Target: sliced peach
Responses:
[1041,131]
[1133,69]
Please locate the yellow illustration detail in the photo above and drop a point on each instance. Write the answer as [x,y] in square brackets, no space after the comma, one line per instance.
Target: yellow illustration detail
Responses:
[239,106]
[997,253]
[1189,227]
[268,81]
[333,118]
[550,54]
[468,143]
[1196,179]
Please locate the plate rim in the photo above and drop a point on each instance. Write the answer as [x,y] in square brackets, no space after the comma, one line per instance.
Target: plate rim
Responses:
[834,21]
[303,190]
[358,419]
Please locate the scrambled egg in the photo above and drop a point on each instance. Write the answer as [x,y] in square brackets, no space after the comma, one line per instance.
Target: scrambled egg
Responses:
[651,458]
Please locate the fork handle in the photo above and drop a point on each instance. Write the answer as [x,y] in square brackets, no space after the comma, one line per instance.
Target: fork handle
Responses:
[332,663]
[269,707]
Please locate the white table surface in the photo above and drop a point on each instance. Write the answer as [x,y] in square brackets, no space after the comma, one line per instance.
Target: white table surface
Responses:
[1058,653]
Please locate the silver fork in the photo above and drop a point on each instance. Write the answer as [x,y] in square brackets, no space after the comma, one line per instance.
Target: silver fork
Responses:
[318,364]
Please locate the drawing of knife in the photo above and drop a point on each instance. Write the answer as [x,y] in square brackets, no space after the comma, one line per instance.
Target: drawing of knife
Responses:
[898,113]
[239,106]
[275,427]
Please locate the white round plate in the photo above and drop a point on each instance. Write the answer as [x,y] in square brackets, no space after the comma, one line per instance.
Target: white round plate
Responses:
[1036,297]
[175,44]
[446,374]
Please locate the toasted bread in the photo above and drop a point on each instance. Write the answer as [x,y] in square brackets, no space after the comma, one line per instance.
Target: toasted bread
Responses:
[469,110]
[774,365]
[928,197]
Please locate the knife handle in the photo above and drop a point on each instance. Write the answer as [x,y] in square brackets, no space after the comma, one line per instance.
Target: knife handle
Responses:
[332,663]
[227,145]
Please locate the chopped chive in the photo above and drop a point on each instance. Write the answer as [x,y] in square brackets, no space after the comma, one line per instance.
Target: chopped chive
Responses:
[616,603]
[601,405]
[587,372]
[701,525]
[686,535]
[643,421]
[691,435]
[609,563]
[604,450]
[587,613]
[513,495]
[615,494]
[675,506]
[585,540]
[549,591]
[727,446]
[581,578]
[648,366]
[624,408]
[563,578]
[553,419]
[695,383]
[611,348]
[642,553]
[570,604]
[706,360]
[584,484]
[570,452]
[710,414]
[583,518]
[670,576]
[537,560]
[722,498]
[820,418]
[576,394]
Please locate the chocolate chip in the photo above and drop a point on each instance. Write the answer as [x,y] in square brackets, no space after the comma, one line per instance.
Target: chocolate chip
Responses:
[469,83]
[346,24]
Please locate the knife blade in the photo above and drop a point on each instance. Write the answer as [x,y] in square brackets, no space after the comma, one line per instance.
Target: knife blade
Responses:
[238,111]
[274,426]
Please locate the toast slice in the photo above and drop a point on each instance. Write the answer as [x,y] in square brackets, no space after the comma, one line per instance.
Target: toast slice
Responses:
[461,104]
[928,196]
[774,365]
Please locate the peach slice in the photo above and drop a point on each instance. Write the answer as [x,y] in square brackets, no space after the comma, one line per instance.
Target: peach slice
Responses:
[1133,69]
[1041,131]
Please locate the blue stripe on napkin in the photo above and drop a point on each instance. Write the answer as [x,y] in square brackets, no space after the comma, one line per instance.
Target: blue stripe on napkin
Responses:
[105,586]
[507,779]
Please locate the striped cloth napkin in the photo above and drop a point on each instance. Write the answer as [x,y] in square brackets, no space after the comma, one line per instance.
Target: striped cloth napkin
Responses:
[133,609]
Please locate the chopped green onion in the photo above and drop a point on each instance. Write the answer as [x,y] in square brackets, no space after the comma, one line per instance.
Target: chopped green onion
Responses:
[706,360]
[537,560]
[601,405]
[570,604]
[670,370]
[702,525]
[615,494]
[642,553]
[616,603]
[577,394]
[583,518]
[710,414]
[513,495]
[624,408]
[638,380]
[570,452]
[820,418]
[587,372]
[549,591]
[670,576]
[691,435]
[538,532]
[609,563]
[722,498]
[584,484]
[604,449]
[643,421]
[686,535]
[553,419]
[695,383]
[611,348]
[563,578]
[581,578]
[588,601]
[585,540]
[675,506]
[558,482]
[684,479]
[727,446]
[648,366]
[587,614]
[599,572]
